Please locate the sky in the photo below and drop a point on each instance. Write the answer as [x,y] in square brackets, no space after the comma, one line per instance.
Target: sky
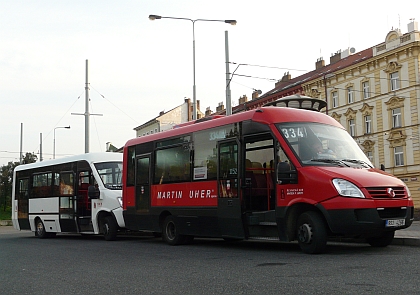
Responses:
[138,67]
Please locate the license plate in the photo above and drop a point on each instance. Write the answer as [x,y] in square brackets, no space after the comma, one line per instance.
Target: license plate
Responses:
[394,222]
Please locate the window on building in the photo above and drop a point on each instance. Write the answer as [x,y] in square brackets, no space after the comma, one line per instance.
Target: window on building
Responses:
[350,95]
[334,99]
[399,156]
[368,124]
[352,127]
[396,118]
[366,93]
[156,130]
[395,82]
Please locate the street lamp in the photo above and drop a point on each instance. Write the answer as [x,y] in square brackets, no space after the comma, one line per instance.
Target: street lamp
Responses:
[66,127]
[232,22]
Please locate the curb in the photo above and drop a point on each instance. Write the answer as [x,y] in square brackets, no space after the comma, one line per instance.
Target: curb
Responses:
[5,222]
[406,241]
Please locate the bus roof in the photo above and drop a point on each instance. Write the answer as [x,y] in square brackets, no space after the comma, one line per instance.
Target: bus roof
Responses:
[89,157]
[267,115]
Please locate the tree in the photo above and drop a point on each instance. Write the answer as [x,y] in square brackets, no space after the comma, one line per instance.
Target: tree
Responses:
[6,179]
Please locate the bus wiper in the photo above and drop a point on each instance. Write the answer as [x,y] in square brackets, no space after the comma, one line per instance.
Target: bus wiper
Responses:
[363,163]
[339,162]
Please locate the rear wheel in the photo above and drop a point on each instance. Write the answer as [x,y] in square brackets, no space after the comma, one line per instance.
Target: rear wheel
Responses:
[109,228]
[311,232]
[40,229]
[170,232]
[382,241]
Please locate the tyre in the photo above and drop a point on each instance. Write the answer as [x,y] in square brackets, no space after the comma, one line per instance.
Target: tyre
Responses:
[170,233]
[40,231]
[109,228]
[311,232]
[382,241]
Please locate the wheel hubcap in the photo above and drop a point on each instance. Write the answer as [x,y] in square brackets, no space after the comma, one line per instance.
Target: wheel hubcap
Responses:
[305,233]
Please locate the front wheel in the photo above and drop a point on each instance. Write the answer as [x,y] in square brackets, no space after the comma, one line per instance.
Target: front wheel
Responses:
[109,228]
[170,232]
[382,241]
[311,232]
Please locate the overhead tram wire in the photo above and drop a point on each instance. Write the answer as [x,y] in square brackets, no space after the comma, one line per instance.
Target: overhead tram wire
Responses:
[115,106]
[46,136]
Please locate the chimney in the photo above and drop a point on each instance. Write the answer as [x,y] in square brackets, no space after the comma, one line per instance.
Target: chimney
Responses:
[208,112]
[255,94]
[220,107]
[161,113]
[335,57]
[320,63]
[243,99]
[286,77]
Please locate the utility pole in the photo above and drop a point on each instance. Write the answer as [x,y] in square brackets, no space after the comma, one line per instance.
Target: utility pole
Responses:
[228,93]
[87,114]
[21,143]
[40,147]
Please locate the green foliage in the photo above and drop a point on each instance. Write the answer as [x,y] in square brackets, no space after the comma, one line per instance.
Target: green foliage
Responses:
[6,214]
[6,181]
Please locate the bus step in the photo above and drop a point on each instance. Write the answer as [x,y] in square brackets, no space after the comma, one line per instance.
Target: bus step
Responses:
[264,238]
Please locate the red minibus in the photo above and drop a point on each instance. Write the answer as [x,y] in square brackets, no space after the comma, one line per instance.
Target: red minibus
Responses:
[273,173]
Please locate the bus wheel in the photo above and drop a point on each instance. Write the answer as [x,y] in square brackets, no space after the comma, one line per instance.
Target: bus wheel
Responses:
[170,232]
[382,241]
[311,232]
[109,228]
[40,230]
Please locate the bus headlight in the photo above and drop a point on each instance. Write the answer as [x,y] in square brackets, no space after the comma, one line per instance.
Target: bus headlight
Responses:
[120,201]
[408,191]
[347,189]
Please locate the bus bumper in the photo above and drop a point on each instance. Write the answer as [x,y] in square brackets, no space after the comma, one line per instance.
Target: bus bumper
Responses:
[367,221]
[118,213]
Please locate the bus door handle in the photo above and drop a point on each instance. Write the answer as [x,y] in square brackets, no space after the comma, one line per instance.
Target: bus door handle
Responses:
[229,202]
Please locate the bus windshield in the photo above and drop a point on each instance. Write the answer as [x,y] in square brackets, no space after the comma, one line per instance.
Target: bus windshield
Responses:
[321,144]
[111,174]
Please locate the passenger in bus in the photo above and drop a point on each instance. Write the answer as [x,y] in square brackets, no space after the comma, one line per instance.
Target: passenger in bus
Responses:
[65,189]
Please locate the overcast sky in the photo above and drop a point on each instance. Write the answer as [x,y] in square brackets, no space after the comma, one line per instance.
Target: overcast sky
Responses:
[139,67]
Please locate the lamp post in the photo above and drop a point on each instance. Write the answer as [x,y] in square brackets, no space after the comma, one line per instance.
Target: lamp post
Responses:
[66,127]
[232,22]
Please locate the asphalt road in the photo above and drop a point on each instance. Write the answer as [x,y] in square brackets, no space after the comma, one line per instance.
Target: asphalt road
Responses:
[72,264]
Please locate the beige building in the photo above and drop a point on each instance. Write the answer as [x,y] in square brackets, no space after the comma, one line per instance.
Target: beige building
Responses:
[167,120]
[378,100]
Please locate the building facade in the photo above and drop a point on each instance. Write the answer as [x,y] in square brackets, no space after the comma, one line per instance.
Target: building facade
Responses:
[378,100]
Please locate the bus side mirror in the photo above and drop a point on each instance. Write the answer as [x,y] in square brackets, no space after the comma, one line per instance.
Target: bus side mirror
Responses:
[284,173]
[93,192]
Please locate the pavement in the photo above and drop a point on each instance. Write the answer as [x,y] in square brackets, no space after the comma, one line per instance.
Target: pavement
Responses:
[407,237]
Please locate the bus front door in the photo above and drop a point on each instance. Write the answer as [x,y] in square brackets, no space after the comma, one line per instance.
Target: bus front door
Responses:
[229,210]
